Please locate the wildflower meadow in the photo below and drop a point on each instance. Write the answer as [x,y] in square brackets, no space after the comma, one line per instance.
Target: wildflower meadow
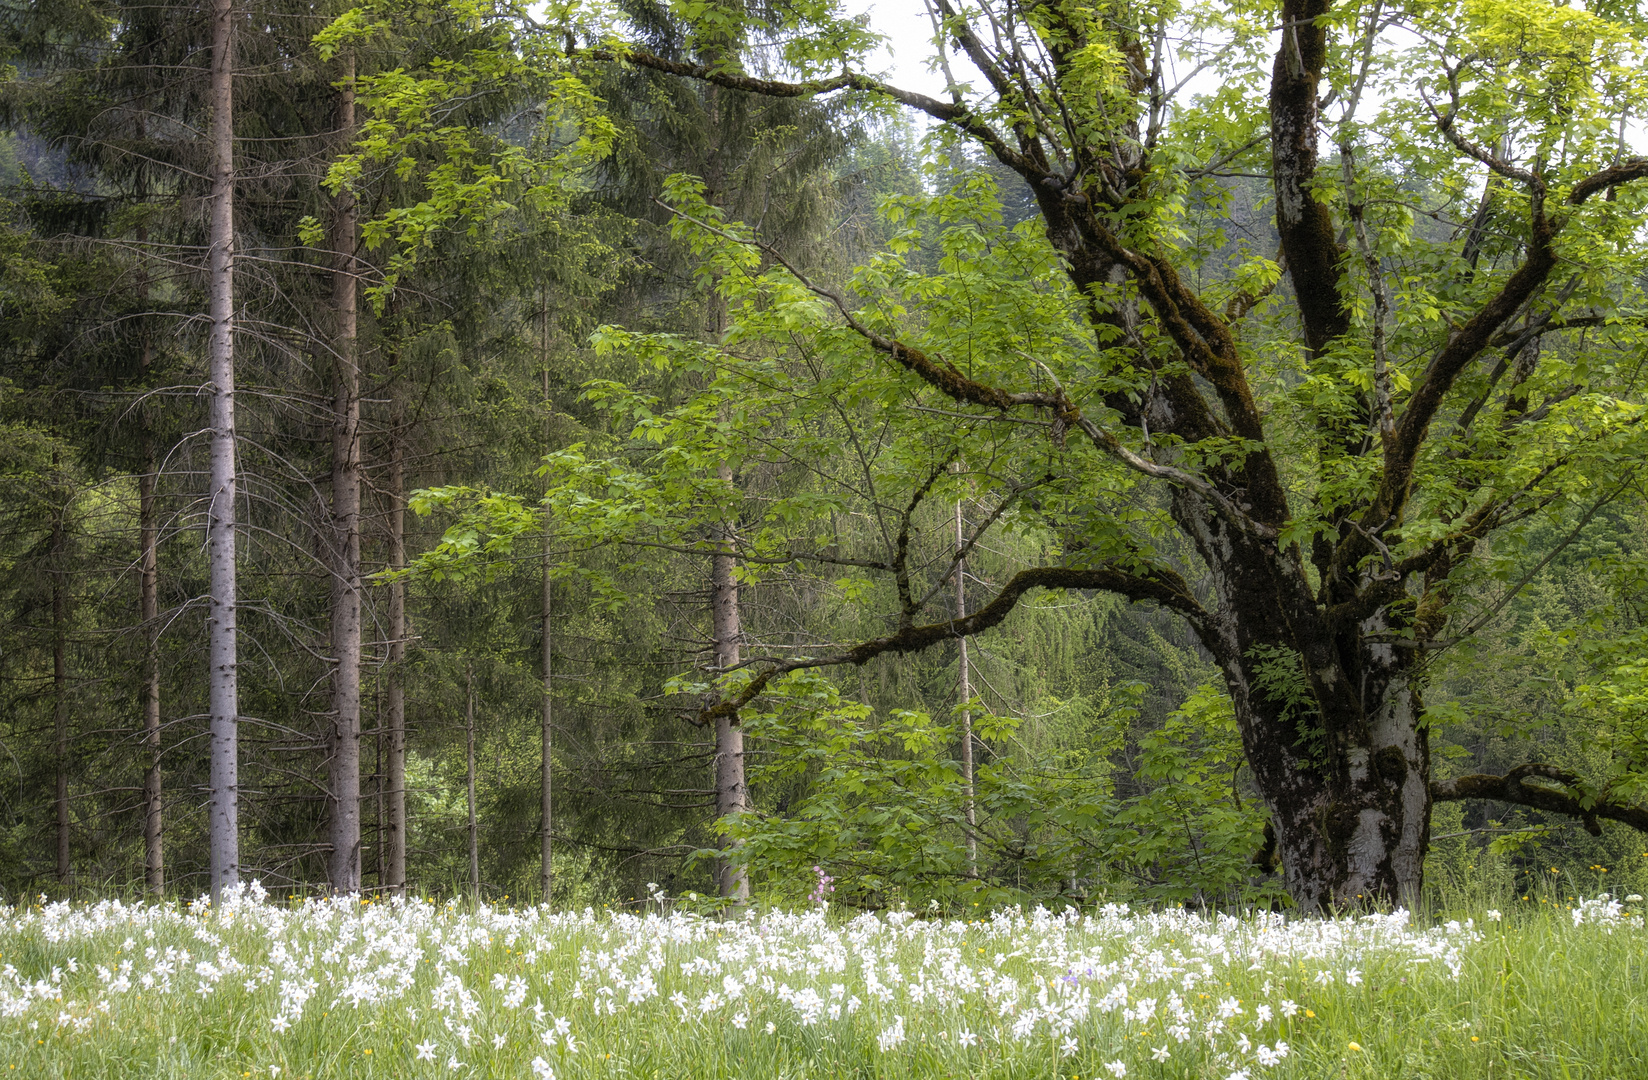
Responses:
[348,987]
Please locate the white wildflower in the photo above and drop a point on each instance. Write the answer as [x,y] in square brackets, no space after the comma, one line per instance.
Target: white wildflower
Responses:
[892,1036]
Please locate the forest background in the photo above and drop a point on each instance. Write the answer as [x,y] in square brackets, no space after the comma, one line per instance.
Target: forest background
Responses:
[547,451]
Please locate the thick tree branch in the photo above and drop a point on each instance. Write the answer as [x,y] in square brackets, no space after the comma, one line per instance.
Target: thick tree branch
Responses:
[1514,788]
[1513,344]
[1623,173]
[959,116]
[1159,584]
[946,378]
[1463,346]
[1308,236]
[1207,345]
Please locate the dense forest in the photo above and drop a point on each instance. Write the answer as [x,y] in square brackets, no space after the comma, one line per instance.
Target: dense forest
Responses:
[575,451]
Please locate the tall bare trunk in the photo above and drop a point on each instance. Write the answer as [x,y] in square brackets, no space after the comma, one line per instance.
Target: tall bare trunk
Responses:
[548,737]
[148,608]
[345,864]
[223,691]
[731,795]
[965,690]
[469,777]
[60,682]
[394,691]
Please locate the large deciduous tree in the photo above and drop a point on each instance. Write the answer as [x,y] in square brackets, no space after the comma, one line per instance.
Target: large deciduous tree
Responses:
[1340,456]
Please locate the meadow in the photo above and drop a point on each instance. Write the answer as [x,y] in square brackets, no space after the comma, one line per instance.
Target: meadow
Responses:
[416,988]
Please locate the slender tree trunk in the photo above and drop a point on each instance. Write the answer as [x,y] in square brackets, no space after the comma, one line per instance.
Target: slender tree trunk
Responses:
[548,737]
[469,777]
[223,690]
[394,692]
[378,861]
[148,609]
[148,606]
[965,690]
[60,682]
[731,795]
[345,868]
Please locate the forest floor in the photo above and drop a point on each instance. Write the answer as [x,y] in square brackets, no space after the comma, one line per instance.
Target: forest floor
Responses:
[321,989]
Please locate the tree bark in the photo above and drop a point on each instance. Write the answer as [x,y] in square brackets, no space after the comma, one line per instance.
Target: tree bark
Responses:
[223,689]
[394,690]
[731,796]
[1328,714]
[345,760]
[469,780]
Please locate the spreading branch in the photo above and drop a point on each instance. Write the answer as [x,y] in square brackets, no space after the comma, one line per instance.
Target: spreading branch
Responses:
[949,112]
[1514,787]
[1222,368]
[1158,584]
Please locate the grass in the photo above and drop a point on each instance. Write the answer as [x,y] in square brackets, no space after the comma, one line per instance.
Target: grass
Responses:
[353,989]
